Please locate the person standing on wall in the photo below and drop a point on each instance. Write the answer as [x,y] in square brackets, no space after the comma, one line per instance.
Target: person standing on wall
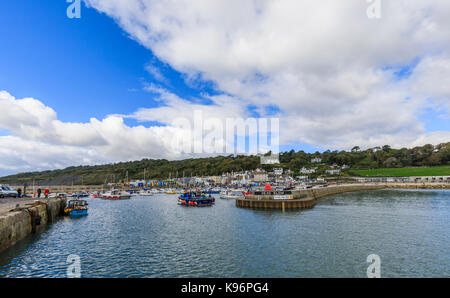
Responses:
[25,189]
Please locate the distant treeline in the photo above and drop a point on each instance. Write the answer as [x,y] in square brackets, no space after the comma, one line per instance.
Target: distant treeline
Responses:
[373,158]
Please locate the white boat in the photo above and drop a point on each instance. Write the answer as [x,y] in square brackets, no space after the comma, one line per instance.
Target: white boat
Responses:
[116,195]
[170,191]
[155,191]
[145,193]
[57,195]
[231,195]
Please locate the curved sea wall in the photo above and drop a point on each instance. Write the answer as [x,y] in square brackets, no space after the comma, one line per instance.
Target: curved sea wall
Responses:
[16,223]
[304,198]
[418,185]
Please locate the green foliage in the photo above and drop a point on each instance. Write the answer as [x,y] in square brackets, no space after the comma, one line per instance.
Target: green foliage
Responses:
[404,172]
[360,163]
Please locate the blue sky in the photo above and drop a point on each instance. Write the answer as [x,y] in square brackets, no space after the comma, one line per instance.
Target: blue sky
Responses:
[82,68]
[258,60]
[87,67]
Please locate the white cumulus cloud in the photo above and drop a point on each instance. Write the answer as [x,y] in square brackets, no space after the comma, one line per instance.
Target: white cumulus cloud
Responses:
[324,65]
[333,76]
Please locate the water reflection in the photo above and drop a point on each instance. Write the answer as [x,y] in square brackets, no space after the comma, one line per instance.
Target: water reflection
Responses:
[154,237]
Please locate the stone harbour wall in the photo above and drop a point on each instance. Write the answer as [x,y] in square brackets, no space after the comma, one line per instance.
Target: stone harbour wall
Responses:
[17,223]
[304,198]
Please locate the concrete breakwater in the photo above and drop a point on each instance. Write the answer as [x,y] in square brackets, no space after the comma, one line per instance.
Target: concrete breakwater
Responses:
[304,198]
[17,220]
[418,185]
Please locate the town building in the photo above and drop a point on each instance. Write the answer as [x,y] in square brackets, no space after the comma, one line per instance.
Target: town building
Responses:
[333,172]
[307,171]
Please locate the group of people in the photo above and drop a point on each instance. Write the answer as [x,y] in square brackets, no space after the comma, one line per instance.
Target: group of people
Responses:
[39,192]
[46,192]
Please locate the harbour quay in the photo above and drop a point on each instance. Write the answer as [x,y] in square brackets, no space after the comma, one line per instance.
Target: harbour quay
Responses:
[297,199]
[21,217]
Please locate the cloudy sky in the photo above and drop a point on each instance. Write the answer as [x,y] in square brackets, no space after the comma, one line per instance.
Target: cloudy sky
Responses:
[108,86]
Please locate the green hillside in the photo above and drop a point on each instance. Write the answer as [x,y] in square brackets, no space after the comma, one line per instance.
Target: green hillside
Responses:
[404,172]
[380,161]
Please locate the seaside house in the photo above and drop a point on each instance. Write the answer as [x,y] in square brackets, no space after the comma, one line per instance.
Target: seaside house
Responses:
[260,176]
[333,172]
[307,171]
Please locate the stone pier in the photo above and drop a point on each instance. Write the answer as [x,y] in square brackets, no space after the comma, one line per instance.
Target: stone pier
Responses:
[19,218]
[304,198]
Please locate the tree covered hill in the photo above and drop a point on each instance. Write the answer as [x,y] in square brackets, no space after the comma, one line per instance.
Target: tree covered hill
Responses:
[356,159]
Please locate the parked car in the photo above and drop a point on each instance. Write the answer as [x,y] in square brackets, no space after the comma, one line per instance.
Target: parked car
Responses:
[7,191]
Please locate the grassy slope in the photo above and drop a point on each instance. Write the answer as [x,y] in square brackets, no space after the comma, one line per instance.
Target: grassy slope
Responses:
[404,172]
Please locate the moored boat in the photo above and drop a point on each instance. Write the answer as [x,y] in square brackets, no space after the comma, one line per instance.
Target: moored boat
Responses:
[170,192]
[212,191]
[231,195]
[116,195]
[57,195]
[76,208]
[145,193]
[96,194]
[195,199]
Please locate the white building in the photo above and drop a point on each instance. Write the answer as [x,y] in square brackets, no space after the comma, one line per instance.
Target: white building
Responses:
[316,160]
[278,171]
[260,176]
[333,172]
[307,171]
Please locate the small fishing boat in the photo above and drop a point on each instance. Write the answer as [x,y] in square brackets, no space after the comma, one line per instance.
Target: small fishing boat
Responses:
[170,192]
[195,199]
[76,208]
[212,191]
[231,195]
[57,195]
[81,194]
[116,195]
[145,193]
[96,194]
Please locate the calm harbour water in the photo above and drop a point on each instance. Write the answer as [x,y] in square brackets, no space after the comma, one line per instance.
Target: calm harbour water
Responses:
[154,237]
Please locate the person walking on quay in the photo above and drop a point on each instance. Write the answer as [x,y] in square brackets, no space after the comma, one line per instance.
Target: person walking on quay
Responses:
[19,193]
[46,192]
[39,193]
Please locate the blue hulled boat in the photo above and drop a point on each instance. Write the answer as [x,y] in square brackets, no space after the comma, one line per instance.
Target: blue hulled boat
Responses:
[76,208]
[195,199]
